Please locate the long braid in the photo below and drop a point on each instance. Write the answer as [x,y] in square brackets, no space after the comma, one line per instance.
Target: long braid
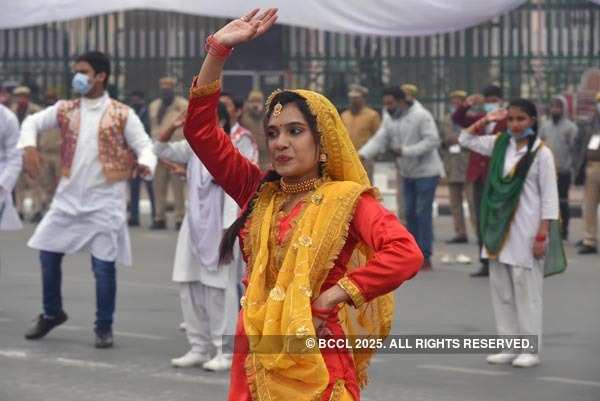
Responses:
[231,234]
[529,108]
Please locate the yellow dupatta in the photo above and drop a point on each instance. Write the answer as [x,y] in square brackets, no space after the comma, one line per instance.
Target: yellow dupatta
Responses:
[275,312]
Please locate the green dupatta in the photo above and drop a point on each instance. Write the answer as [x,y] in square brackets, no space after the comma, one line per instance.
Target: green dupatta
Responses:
[500,197]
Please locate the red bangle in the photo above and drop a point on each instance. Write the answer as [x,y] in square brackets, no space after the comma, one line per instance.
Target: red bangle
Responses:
[540,238]
[214,48]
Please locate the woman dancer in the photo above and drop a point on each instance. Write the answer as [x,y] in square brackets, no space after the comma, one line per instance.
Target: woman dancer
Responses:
[321,249]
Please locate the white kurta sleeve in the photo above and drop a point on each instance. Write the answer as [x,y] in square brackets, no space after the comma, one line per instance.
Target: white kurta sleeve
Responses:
[13,157]
[483,144]
[178,152]
[140,142]
[548,184]
[38,124]
[246,147]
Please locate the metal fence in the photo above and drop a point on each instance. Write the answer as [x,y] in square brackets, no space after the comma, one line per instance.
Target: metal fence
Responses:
[541,48]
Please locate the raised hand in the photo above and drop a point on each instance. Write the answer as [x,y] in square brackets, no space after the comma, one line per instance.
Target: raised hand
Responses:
[496,115]
[473,100]
[246,28]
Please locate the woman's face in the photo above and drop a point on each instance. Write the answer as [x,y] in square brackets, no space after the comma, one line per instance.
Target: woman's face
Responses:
[518,121]
[292,147]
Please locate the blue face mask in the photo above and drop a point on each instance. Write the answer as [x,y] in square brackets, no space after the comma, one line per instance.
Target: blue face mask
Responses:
[489,107]
[527,133]
[81,83]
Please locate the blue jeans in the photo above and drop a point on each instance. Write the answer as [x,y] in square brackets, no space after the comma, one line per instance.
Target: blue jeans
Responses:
[134,201]
[419,194]
[106,288]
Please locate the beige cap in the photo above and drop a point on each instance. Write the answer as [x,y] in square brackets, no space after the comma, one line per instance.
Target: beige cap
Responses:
[458,93]
[410,89]
[357,91]
[256,95]
[22,90]
[168,81]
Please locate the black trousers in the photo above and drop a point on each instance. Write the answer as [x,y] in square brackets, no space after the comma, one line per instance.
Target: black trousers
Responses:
[564,183]
[478,187]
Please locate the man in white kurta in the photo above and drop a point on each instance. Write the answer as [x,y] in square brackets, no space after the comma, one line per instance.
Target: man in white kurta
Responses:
[516,276]
[208,288]
[88,212]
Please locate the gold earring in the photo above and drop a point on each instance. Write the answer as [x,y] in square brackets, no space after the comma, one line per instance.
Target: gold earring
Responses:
[323,157]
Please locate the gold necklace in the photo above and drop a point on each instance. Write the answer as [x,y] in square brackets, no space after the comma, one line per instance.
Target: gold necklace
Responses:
[300,187]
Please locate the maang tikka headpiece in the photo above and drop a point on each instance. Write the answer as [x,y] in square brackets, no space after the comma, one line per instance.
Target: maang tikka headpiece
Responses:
[278,107]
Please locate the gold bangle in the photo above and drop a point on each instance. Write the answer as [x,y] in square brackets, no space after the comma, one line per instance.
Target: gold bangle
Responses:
[352,290]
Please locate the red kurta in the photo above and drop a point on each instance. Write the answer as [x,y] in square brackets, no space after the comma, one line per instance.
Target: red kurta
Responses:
[396,255]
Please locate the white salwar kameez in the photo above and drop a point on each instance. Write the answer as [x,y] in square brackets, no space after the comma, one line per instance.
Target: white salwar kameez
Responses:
[208,294]
[516,277]
[88,214]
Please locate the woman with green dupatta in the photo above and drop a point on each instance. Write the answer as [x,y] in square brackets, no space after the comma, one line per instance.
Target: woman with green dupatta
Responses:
[520,200]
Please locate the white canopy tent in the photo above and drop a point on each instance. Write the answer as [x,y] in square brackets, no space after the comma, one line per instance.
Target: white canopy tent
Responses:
[373,17]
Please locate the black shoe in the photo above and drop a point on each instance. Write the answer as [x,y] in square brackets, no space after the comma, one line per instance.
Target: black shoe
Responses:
[44,325]
[177,226]
[104,340]
[158,225]
[133,223]
[579,243]
[587,250]
[483,271]
[427,266]
[459,239]
[37,218]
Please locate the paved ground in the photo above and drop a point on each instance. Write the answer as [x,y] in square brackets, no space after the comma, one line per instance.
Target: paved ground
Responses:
[64,366]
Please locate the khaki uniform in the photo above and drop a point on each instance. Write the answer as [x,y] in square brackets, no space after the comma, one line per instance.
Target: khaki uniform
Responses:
[49,147]
[592,188]
[27,185]
[162,175]
[456,172]
[361,127]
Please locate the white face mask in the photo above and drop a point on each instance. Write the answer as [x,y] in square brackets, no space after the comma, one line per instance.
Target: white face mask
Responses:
[489,107]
